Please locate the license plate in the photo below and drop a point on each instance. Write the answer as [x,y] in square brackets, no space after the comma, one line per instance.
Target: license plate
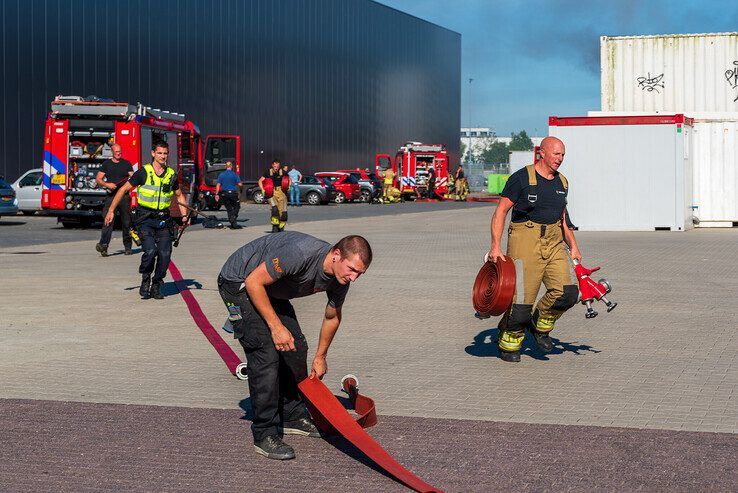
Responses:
[58,179]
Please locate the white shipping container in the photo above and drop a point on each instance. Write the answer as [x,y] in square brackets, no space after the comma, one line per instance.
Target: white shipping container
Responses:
[520,159]
[627,173]
[670,73]
[714,164]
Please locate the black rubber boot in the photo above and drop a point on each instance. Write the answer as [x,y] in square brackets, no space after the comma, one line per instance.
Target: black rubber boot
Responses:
[543,341]
[510,356]
[145,289]
[156,290]
[274,448]
[103,249]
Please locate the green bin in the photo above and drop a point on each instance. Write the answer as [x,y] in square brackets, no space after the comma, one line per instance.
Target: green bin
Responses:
[495,183]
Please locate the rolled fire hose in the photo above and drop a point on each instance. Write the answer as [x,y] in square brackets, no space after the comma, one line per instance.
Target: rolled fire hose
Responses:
[229,357]
[494,287]
[269,187]
[329,414]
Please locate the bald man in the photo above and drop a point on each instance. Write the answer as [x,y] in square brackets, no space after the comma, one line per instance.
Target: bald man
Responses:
[537,239]
[113,174]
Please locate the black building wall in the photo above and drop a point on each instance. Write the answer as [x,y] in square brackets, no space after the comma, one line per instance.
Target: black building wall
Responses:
[322,84]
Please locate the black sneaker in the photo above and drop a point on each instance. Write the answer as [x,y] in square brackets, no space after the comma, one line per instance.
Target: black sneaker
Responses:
[303,427]
[102,249]
[145,289]
[543,340]
[510,356]
[156,290]
[273,447]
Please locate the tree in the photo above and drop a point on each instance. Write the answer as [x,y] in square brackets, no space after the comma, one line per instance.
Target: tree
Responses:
[495,152]
[520,142]
[463,149]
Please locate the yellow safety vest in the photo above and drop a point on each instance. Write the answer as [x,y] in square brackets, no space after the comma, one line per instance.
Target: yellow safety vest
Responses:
[157,192]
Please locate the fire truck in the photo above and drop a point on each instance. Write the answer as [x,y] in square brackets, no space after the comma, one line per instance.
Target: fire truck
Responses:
[411,165]
[78,136]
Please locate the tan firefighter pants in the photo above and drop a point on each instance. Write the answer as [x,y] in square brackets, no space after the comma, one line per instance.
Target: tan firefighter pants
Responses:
[540,257]
[279,209]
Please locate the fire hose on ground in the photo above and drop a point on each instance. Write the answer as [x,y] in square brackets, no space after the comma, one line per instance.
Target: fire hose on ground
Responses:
[327,412]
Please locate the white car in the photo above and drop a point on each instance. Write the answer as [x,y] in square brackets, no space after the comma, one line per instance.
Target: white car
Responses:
[28,191]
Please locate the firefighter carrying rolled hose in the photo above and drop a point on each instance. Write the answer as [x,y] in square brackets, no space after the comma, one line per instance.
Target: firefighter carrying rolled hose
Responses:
[537,237]
[278,201]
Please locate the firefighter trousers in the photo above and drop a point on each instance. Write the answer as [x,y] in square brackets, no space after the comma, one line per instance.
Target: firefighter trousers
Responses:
[540,257]
[273,375]
[279,210]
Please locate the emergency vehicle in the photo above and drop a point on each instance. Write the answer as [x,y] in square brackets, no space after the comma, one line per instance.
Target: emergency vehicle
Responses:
[411,165]
[77,139]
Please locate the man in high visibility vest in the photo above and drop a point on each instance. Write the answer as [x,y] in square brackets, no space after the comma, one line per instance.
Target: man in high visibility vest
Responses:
[156,184]
[538,234]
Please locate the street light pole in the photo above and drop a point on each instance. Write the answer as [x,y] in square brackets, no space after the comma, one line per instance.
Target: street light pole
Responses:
[469,151]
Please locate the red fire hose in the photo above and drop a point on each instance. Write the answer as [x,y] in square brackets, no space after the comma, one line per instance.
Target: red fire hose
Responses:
[494,287]
[229,357]
[269,187]
[329,415]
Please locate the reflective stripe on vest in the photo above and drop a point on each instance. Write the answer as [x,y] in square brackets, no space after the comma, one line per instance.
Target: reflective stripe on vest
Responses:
[157,192]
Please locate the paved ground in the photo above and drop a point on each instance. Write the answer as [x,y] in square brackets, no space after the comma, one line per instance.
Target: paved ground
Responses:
[77,342]
[20,230]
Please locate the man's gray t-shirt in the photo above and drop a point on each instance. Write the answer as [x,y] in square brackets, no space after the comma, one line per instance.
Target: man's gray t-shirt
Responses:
[294,260]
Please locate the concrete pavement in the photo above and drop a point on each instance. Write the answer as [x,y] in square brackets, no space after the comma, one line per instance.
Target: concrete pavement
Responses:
[73,329]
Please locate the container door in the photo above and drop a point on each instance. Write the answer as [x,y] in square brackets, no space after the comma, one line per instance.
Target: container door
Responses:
[55,172]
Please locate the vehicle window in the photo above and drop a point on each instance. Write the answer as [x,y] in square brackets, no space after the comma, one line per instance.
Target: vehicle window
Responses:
[30,180]
[309,180]
[356,175]
[351,179]
[373,176]
[4,184]
[329,179]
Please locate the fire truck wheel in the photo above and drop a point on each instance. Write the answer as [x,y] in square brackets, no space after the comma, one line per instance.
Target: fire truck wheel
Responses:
[68,224]
[340,198]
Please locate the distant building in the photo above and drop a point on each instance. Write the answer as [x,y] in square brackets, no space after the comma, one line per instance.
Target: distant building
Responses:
[481,136]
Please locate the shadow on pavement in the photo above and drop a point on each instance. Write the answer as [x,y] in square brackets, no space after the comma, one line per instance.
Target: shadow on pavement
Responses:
[120,252]
[170,288]
[485,345]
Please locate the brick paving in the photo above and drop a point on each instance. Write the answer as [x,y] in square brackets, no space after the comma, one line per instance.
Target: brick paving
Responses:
[72,446]
[73,329]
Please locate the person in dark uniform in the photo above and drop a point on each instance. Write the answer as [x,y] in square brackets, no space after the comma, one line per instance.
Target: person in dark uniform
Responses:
[113,173]
[431,181]
[228,192]
[278,201]
[156,186]
[256,284]
[538,233]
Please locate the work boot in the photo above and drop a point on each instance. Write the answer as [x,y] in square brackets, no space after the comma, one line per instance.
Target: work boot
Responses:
[236,226]
[543,340]
[145,289]
[510,356]
[156,290]
[128,251]
[103,249]
[304,427]
[275,228]
[273,447]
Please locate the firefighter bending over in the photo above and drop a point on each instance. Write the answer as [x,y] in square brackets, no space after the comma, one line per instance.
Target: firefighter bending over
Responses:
[156,184]
[536,242]
[390,193]
[278,200]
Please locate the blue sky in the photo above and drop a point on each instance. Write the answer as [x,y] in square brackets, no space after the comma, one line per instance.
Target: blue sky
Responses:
[532,59]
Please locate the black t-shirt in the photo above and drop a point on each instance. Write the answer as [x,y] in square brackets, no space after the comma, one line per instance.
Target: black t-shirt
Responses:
[459,173]
[116,172]
[139,178]
[275,176]
[551,197]
[431,175]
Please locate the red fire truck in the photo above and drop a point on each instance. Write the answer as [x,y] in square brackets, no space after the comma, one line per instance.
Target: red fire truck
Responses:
[411,165]
[77,139]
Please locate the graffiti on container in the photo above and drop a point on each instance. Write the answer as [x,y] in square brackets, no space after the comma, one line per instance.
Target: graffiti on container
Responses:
[651,84]
[731,75]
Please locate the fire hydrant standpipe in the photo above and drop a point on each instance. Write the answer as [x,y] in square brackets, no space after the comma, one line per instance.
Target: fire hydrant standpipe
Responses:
[589,291]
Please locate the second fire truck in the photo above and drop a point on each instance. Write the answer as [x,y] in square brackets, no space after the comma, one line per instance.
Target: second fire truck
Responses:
[411,165]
